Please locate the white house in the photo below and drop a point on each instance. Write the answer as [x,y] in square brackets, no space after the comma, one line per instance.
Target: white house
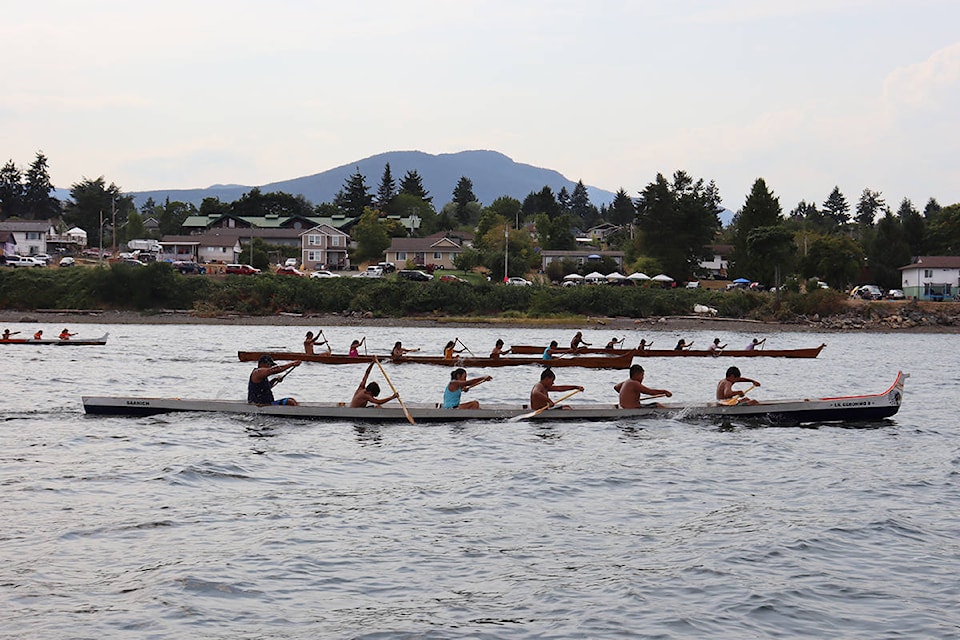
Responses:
[437,249]
[324,247]
[931,277]
[31,235]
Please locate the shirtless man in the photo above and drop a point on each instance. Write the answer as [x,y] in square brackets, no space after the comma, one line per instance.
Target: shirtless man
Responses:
[726,392]
[314,340]
[578,341]
[498,349]
[367,393]
[540,394]
[631,388]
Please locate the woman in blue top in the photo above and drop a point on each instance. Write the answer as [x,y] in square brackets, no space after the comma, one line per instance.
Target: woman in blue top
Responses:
[457,385]
[548,352]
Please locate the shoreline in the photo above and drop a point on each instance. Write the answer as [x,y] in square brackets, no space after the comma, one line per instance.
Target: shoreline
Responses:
[681,323]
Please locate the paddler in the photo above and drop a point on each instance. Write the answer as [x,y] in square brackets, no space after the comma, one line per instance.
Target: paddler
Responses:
[367,393]
[725,390]
[540,394]
[260,386]
[457,385]
[631,389]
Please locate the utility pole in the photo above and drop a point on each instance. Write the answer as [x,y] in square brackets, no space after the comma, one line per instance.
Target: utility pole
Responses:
[113,212]
[506,249]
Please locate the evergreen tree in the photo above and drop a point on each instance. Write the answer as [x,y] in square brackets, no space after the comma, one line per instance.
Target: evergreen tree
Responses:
[870,204]
[888,251]
[90,208]
[38,204]
[354,197]
[676,221]
[462,196]
[371,237]
[622,211]
[931,209]
[834,258]
[580,206]
[760,211]
[11,191]
[412,184]
[387,189]
[508,208]
[914,227]
[836,208]
[563,200]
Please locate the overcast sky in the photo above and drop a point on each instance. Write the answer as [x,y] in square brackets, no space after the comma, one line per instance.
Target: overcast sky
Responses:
[182,94]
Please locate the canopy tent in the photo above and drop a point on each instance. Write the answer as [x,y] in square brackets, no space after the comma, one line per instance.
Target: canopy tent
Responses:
[595,276]
[616,275]
[639,275]
[573,276]
[742,281]
[662,278]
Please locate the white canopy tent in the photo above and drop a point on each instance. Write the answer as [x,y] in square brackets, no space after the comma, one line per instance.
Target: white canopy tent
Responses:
[615,277]
[639,275]
[570,277]
[595,276]
[662,278]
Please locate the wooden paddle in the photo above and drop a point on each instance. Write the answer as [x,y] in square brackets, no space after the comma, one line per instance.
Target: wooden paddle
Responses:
[466,347]
[280,378]
[734,401]
[524,416]
[394,389]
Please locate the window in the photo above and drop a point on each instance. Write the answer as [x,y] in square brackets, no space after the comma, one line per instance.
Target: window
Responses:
[335,241]
[401,255]
[314,256]
[314,241]
[437,255]
[928,273]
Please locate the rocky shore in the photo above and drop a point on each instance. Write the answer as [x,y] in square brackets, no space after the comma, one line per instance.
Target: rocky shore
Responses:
[909,317]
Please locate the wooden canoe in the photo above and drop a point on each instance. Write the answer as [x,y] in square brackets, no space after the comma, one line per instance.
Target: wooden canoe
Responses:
[619,361]
[72,342]
[811,352]
[845,409]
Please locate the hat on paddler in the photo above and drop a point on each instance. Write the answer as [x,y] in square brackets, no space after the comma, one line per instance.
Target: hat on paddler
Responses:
[266,361]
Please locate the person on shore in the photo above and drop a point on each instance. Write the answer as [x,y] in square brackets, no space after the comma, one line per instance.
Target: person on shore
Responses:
[38,335]
[355,347]
[540,394]
[457,385]
[754,344]
[366,394]
[726,392]
[715,347]
[66,335]
[549,351]
[260,385]
[498,350]
[682,345]
[398,351]
[613,344]
[450,350]
[578,341]
[7,333]
[310,341]
[631,389]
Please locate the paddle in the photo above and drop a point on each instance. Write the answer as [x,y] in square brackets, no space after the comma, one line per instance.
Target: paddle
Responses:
[524,416]
[734,401]
[280,378]
[394,389]
[466,347]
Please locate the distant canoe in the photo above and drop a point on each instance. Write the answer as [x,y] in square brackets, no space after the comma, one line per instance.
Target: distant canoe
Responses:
[845,409]
[72,342]
[619,361]
[811,352]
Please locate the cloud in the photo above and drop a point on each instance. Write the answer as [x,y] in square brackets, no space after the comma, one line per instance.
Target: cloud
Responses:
[928,84]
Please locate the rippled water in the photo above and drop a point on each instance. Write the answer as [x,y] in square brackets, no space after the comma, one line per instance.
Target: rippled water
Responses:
[214,526]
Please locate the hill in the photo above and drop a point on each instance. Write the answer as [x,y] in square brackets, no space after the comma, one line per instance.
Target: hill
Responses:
[493,175]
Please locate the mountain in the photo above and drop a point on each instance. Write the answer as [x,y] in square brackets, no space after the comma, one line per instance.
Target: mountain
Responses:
[492,174]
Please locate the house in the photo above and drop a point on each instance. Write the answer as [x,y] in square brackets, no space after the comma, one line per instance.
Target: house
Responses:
[601,232]
[30,235]
[222,248]
[438,249]
[580,257]
[8,243]
[931,277]
[717,266]
[324,247]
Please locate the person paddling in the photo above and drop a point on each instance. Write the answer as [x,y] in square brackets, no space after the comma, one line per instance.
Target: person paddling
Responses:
[311,340]
[38,335]
[726,392]
[457,385]
[540,394]
[450,349]
[578,341]
[754,344]
[66,335]
[355,347]
[7,333]
[682,345]
[631,389]
[367,393]
[549,351]
[498,350]
[613,344]
[398,351]
[715,347]
[260,386]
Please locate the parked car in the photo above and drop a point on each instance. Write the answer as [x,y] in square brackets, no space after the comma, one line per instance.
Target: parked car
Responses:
[67,261]
[323,273]
[290,262]
[290,271]
[388,267]
[185,267]
[447,277]
[896,294]
[413,274]
[373,271]
[23,261]
[519,282]
[867,292]
[693,284]
[43,258]
[132,262]
[241,269]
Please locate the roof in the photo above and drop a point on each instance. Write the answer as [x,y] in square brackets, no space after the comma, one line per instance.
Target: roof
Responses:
[271,221]
[580,252]
[25,225]
[934,262]
[424,244]
[206,239]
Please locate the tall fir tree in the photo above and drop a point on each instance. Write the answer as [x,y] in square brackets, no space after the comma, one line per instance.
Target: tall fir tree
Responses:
[11,191]
[870,204]
[836,208]
[760,210]
[580,205]
[462,196]
[38,203]
[387,189]
[412,184]
[622,210]
[354,197]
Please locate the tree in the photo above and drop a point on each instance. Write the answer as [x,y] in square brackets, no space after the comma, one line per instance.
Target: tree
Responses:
[563,199]
[405,204]
[172,216]
[555,233]
[11,191]
[914,227]
[134,228]
[541,201]
[387,189]
[507,208]
[584,213]
[761,210]
[943,234]
[37,202]
[412,184]
[871,202]
[371,237]
[775,251]
[834,258]
[90,207]
[836,208]
[622,210]
[888,251]
[213,207]
[462,196]
[277,203]
[354,197]
[676,221]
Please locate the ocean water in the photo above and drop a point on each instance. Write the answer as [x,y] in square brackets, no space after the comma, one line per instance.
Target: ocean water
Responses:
[212,526]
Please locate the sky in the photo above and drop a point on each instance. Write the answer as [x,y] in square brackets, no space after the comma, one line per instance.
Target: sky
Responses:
[857,94]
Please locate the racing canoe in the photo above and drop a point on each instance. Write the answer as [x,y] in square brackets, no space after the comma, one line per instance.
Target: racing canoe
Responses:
[618,361]
[811,352]
[845,409]
[72,342]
